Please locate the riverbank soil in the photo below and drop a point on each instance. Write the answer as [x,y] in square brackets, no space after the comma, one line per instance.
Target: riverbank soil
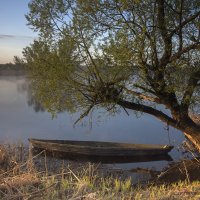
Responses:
[188,170]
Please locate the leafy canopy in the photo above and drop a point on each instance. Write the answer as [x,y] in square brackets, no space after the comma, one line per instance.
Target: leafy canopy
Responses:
[110,53]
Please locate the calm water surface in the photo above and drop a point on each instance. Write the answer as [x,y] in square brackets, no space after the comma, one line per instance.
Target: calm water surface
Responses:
[21,118]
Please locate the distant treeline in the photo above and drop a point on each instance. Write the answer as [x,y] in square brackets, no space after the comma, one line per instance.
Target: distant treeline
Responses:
[12,69]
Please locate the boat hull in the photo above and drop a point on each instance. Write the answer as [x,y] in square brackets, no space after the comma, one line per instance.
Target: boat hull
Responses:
[91,148]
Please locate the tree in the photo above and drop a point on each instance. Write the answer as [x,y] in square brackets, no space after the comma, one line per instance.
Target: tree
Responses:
[118,53]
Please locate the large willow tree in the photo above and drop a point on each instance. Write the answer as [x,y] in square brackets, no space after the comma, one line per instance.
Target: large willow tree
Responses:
[129,54]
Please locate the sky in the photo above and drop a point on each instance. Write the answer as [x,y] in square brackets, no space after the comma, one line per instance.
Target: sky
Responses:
[14,32]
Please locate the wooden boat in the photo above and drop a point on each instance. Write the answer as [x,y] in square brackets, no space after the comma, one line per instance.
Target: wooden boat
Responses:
[93,148]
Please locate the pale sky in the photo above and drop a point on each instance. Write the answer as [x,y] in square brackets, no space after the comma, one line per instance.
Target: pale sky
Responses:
[14,33]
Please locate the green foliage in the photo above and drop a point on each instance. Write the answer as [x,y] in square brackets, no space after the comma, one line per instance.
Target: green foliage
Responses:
[98,53]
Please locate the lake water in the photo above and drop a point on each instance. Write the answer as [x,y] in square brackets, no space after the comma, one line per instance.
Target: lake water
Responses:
[21,119]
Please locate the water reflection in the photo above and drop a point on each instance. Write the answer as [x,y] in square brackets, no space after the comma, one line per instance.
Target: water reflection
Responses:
[104,159]
[25,88]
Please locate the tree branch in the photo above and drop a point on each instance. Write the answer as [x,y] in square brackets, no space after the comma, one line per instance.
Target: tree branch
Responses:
[184,50]
[84,114]
[163,30]
[188,20]
[180,34]
[142,96]
[149,110]
[91,58]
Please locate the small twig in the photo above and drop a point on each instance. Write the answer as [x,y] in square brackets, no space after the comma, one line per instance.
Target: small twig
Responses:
[74,175]
[45,163]
[84,114]
[186,171]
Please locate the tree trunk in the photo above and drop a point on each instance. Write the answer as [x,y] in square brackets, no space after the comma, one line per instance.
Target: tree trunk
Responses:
[191,129]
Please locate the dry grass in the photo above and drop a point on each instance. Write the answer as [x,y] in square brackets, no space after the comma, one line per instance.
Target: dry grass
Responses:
[27,177]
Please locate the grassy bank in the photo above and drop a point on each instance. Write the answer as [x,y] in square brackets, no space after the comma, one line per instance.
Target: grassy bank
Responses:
[24,176]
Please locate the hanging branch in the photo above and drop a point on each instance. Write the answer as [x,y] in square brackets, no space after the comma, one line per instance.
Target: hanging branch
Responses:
[84,114]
